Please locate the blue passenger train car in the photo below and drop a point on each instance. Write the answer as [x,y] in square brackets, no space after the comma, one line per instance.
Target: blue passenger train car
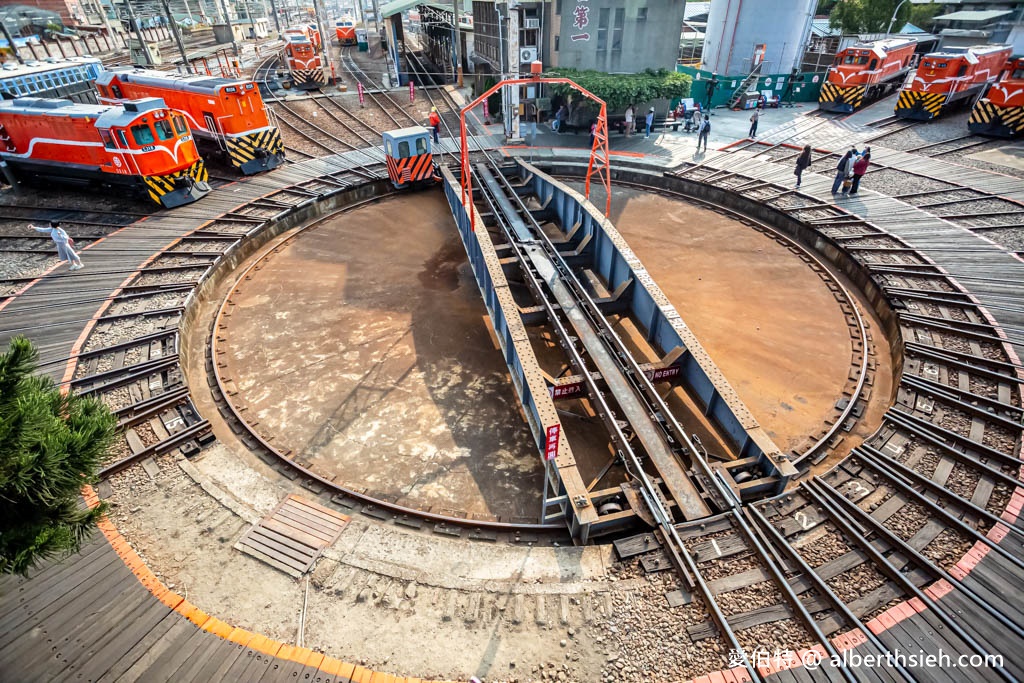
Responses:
[66,79]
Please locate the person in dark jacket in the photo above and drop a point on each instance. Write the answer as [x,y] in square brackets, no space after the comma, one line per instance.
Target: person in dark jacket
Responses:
[702,133]
[802,162]
[843,169]
[860,167]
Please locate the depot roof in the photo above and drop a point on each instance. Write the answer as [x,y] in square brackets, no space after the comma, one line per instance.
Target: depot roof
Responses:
[974,15]
[396,6]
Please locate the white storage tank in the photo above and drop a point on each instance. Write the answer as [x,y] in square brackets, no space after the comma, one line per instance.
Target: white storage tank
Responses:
[742,32]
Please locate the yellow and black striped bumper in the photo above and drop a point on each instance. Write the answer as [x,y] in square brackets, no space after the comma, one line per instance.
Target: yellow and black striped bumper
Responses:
[308,79]
[842,100]
[989,119]
[920,106]
[256,152]
[182,187]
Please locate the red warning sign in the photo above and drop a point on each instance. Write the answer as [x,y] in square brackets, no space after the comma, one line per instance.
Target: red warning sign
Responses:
[551,448]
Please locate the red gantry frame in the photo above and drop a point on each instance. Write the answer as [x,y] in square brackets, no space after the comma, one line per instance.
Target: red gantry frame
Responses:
[600,160]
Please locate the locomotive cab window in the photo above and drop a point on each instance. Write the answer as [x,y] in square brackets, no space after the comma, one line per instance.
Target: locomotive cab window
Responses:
[874,63]
[143,134]
[179,125]
[962,70]
[108,139]
[403,149]
[421,145]
[164,130]
[117,91]
[122,138]
[1018,73]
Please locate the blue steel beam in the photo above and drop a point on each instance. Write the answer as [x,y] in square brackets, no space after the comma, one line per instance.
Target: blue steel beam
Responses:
[608,255]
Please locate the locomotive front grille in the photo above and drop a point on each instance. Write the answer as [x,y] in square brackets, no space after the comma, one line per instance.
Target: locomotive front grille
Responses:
[989,118]
[836,95]
[160,185]
[259,146]
[924,102]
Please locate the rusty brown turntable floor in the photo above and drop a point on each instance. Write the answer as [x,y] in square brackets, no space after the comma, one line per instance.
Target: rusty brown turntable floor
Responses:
[362,346]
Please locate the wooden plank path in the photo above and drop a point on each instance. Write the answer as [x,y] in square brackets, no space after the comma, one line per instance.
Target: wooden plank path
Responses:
[89,618]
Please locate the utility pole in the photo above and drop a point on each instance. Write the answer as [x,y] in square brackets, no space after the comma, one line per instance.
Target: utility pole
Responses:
[138,34]
[325,44]
[513,71]
[277,20]
[458,43]
[10,42]
[177,37]
[227,21]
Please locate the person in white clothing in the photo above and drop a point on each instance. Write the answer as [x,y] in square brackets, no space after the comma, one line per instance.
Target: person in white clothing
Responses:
[629,121]
[64,244]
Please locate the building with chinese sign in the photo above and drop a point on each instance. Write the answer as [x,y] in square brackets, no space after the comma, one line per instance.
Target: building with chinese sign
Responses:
[623,36]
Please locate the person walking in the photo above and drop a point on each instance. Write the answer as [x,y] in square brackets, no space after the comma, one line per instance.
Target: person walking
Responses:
[860,167]
[629,120]
[435,124]
[802,162]
[843,170]
[64,244]
[702,133]
[753,123]
[649,122]
[560,117]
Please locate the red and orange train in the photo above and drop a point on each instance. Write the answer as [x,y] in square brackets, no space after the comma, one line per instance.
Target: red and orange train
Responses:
[227,115]
[866,72]
[140,145]
[948,78]
[302,57]
[1000,111]
[345,29]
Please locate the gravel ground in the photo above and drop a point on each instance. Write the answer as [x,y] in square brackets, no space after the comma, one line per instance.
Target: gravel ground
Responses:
[787,635]
[647,642]
[907,521]
[997,502]
[145,432]
[948,548]
[962,481]
[943,128]
[152,302]
[218,246]
[756,596]
[107,334]
[821,545]
[168,278]
[24,265]
[853,584]
[1001,438]
[895,182]
[166,260]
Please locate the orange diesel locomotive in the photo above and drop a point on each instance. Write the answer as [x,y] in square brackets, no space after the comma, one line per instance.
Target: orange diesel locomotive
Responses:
[950,76]
[141,145]
[1000,112]
[345,28]
[303,62]
[227,115]
[865,72]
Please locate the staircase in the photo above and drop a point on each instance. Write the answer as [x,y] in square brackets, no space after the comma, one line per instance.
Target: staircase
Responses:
[739,92]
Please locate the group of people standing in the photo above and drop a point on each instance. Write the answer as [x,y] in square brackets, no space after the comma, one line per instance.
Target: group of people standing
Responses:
[630,126]
[851,168]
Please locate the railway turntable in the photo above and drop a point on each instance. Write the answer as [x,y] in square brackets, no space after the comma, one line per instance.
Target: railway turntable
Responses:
[713,429]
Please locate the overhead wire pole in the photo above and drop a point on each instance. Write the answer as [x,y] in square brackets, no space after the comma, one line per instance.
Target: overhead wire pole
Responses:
[143,45]
[227,22]
[177,37]
[458,43]
[277,19]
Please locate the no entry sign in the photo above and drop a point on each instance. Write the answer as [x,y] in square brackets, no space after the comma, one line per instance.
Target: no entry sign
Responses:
[551,448]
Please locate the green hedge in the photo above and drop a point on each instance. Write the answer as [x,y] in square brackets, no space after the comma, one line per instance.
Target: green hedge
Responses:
[621,90]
